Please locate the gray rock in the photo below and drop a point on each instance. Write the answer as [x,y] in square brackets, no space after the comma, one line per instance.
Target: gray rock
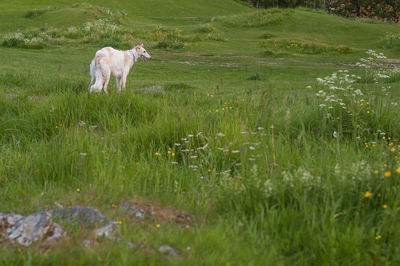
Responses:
[109,231]
[25,230]
[165,249]
[80,214]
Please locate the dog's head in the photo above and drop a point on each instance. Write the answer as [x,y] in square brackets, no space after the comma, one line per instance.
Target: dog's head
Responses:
[142,53]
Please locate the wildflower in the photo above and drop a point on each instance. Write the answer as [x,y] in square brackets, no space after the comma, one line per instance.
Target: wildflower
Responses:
[367,195]
[169,152]
[390,144]
[173,154]
[56,126]
[388,174]
[78,190]
[393,150]
[209,111]
[209,170]
[243,100]
[398,170]
[379,195]
[119,222]
[113,205]
[158,225]
[174,163]
[376,172]
[216,110]
[235,151]
[157,154]
[384,206]
[83,154]
[223,109]
[220,134]
[230,107]
[170,149]
[378,237]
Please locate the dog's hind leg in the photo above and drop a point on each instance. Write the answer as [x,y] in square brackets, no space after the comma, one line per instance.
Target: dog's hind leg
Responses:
[118,80]
[107,79]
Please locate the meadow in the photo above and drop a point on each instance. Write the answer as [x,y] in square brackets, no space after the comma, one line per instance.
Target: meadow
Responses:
[276,131]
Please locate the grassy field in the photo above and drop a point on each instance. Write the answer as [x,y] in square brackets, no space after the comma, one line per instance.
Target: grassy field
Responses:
[277,160]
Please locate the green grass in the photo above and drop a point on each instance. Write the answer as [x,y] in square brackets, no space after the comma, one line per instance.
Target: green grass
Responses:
[272,187]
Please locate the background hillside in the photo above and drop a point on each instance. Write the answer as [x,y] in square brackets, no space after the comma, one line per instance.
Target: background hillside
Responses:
[273,159]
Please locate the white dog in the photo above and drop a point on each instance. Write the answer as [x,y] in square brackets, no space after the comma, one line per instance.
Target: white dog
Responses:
[109,61]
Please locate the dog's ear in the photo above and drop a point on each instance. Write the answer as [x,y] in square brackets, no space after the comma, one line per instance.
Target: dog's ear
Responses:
[140,45]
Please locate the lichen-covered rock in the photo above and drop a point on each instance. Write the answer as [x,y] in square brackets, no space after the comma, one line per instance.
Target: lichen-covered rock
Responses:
[80,214]
[27,229]
[109,231]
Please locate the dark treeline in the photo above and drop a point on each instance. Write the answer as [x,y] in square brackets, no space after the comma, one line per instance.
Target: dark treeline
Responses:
[388,10]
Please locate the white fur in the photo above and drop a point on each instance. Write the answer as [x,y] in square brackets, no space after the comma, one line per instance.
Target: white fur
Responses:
[109,61]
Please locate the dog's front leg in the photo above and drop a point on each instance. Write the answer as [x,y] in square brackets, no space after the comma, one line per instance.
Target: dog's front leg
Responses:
[124,81]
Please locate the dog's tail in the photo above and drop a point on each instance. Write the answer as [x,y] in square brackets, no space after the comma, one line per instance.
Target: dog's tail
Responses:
[97,77]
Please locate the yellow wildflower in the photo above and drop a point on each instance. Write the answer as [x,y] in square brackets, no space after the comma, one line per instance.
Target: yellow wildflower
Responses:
[157,154]
[216,110]
[388,174]
[376,172]
[379,195]
[173,154]
[209,170]
[119,222]
[398,170]
[367,195]
[378,237]
[384,206]
[158,225]
[393,149]
[78,190]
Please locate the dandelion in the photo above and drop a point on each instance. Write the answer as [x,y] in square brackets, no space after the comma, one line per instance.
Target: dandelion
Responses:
[209,111]
[376,172]
[158,225]
[367,195]
[243,100]
[393,150]
[216,110]
[378,237]
[158,154]
[384,206]
[113,205]
[223,109]
[78,190]
[388,174]
[209,170]
[119,222]
[173,154]
[398,170]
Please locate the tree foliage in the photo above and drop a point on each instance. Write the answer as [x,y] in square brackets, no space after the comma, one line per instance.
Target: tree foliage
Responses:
[387,10]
